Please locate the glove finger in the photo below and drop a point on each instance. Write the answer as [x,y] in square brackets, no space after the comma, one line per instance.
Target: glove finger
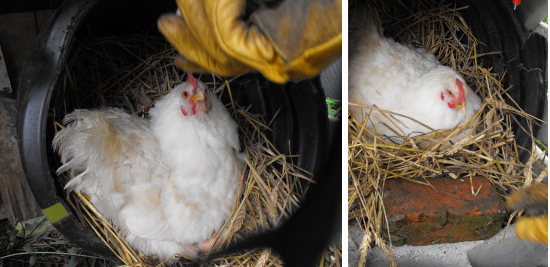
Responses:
[235,37]
[241,42]
[533,198]
[246,43]
[534,229]
[177,33]
[315,59]
[194,14]
[175,30]
[309,40]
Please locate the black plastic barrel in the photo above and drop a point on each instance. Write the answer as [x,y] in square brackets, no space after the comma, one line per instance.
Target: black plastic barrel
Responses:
[524,58]
[301,125]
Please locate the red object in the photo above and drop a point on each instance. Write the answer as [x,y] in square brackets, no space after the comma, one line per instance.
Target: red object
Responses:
[193,81]
[420,215]
[461,90]
[516,2]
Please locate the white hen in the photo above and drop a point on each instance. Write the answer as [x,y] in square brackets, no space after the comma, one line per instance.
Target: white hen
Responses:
[408,81]
[166,183]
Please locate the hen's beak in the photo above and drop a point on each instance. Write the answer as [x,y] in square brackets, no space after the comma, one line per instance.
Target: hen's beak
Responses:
[461,106]
[199,96]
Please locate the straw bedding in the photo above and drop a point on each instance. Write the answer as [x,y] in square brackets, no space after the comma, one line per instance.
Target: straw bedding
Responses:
[490,152]
[134,71]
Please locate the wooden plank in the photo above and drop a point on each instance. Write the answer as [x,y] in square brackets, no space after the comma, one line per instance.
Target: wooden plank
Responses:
[18,201]
[17,34]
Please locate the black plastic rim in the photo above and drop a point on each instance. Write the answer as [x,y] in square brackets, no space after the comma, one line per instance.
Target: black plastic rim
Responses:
[524,58]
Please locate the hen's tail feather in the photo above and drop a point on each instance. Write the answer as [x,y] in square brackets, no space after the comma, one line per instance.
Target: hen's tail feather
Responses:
[105,149]
[74,147]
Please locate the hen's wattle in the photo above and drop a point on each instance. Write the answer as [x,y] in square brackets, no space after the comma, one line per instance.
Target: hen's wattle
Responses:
[166,183]
[408,81]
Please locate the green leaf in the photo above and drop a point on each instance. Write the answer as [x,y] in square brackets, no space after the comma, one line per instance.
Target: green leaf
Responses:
[73,262]
[29,227]
[333,106]
[329,109]
[32,260]
[332,101]
[73,250]
[14,234]
[28,249]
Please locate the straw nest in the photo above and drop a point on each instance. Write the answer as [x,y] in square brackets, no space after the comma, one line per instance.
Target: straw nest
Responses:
[490,151]
[134,71]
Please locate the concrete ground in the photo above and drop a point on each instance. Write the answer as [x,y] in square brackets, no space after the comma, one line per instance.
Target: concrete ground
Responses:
[482,253]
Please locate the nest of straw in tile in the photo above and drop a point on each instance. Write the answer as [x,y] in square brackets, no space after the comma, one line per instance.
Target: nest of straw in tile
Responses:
[132,72]
[490,151]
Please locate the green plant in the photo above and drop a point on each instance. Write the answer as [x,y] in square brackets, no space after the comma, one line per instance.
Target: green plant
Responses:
[543,147]
[334,107]
[24,231]
[32,261]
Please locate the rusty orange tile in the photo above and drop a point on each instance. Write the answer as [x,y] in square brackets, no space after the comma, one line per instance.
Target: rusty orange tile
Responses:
[420,215]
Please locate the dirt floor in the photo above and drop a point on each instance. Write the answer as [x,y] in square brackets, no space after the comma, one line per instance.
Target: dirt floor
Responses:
[51,250]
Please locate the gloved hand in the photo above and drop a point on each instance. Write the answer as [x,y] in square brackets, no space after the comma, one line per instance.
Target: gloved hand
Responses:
[534,229]
[283,39]
[534,199]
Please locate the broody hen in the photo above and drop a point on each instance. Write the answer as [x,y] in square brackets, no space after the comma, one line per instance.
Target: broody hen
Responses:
[166,183]
[405,80]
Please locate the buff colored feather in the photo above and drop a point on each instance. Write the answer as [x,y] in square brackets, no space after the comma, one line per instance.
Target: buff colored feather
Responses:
[166,183]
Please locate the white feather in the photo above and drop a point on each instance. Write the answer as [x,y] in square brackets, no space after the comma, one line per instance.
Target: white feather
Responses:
[166,183]
[404,80]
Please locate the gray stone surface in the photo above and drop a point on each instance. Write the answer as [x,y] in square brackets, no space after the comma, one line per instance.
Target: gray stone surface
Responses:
[512,252]
[483,253]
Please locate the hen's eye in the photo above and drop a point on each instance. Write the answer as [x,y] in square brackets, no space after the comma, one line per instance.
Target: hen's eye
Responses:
[449,92]
[185,94]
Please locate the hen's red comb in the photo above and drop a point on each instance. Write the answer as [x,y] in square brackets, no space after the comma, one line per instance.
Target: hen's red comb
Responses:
[193,81]
[460,91]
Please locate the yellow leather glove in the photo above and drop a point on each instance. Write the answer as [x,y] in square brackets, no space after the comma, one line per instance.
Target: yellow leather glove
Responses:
[534,229]
[534,199]
[283,40]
